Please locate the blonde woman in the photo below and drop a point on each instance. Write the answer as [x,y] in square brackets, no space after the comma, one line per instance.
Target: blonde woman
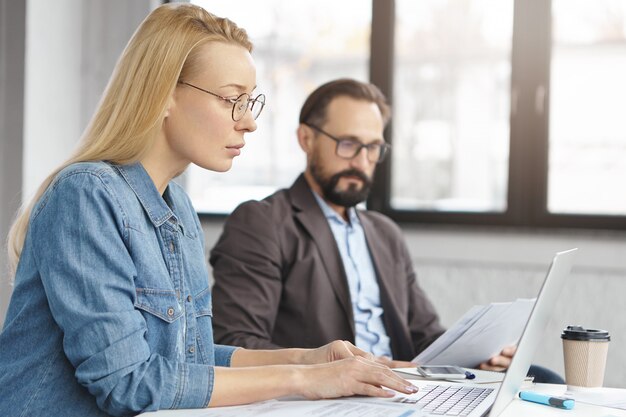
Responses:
[111,310]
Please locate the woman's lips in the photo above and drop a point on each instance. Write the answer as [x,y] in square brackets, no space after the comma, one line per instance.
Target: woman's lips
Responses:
[236,149]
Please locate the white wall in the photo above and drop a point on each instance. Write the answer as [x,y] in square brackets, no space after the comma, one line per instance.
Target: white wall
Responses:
[72,47]
[12,41]
[53,87]
[57,57]
[461,267]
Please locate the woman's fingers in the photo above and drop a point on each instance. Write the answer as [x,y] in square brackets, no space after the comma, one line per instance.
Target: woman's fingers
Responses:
[358,352]
[379,375]
[373,391]
[393,381]
[393,363]
[341,349]
[355,376]
[333,351]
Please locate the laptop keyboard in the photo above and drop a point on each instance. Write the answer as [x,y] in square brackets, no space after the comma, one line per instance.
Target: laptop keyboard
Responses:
[448,400]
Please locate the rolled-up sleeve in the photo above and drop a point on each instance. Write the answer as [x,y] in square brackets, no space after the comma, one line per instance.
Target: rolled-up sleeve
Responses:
[88,274]
[224,354]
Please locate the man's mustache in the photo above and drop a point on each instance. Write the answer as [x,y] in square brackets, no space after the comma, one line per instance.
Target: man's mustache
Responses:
[367,182]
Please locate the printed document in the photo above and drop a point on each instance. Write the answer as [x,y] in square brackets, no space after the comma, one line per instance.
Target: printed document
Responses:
[479,335]
[345,407]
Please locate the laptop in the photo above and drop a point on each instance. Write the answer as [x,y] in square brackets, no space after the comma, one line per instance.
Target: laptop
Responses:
[437,398]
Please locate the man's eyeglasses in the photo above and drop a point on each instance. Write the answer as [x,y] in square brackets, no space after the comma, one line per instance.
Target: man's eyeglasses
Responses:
[240,104]
[349,148]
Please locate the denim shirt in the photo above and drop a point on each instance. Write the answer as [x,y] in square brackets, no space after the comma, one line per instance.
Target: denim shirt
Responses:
[111,310]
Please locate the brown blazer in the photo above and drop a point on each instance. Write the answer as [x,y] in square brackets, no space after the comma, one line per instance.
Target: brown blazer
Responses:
[280,281]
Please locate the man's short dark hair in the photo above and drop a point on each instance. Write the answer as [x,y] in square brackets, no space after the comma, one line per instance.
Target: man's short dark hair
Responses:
[314,108]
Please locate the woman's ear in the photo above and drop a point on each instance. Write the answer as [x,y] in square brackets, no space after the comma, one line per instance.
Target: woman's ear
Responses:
[171,102]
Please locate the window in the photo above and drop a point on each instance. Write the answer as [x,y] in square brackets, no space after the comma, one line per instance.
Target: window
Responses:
[587,164]
[297,46]
[452,83]
[504,112]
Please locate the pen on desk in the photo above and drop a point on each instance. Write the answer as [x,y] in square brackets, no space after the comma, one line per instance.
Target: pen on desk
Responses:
[469,375]
[559,402]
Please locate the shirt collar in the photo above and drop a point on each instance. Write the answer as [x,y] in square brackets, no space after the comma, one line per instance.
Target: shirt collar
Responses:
[331,214]
[147,193]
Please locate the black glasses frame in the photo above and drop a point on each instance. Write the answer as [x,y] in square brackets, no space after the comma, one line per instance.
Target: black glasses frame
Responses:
[250,102]
[384,147]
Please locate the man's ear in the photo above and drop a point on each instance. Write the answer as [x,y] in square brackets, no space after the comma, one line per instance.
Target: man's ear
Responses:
[305,138]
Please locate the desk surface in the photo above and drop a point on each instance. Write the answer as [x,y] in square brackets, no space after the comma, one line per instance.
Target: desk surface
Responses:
[516,408]
[522,408]
[519,408]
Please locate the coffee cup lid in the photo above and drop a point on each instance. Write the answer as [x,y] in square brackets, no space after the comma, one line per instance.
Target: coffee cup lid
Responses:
[580,333]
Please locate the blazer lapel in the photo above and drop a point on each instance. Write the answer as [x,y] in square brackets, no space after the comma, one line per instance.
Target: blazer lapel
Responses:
[309,214]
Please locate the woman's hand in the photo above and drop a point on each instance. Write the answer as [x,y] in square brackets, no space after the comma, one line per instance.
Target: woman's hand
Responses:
[384,360]
[334,351]
[337,369]
[355,375]
[342,349]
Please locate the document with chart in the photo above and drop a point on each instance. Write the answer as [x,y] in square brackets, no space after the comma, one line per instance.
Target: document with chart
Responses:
[481,333]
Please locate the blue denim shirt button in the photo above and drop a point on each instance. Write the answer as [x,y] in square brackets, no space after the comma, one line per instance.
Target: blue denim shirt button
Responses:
[189,298]
[192,349]
[171,246]
[170,311]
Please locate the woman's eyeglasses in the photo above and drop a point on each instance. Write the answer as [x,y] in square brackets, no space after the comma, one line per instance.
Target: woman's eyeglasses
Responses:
[240,104]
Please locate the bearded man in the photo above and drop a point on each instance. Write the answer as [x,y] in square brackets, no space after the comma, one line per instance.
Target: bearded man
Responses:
[305,266]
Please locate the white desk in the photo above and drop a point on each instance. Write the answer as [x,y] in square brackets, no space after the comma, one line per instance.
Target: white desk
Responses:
[517,408]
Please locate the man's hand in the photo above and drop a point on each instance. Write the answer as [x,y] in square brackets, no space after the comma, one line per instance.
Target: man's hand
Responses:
[499,362]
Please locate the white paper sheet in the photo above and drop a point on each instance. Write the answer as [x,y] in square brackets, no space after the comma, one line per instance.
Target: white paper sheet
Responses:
[347,407]
[480,334]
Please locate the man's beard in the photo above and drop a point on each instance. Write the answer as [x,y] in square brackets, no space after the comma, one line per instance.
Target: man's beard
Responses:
[346,198]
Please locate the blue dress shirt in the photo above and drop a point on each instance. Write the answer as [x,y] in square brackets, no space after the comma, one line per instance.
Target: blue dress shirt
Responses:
[371,335]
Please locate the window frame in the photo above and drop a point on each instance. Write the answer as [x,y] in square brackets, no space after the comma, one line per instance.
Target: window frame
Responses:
[529,129]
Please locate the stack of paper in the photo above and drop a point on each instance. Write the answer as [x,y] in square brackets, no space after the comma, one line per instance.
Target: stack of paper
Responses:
[480,334]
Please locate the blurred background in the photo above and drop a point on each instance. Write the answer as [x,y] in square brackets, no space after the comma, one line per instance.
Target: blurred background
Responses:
[508,135]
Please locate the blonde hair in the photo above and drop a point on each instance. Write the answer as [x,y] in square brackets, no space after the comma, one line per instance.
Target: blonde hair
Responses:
[162,51]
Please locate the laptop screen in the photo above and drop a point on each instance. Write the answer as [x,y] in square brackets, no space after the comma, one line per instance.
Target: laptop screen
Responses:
[533,332]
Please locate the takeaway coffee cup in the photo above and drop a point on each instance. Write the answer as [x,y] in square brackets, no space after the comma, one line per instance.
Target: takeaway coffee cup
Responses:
[584,353]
